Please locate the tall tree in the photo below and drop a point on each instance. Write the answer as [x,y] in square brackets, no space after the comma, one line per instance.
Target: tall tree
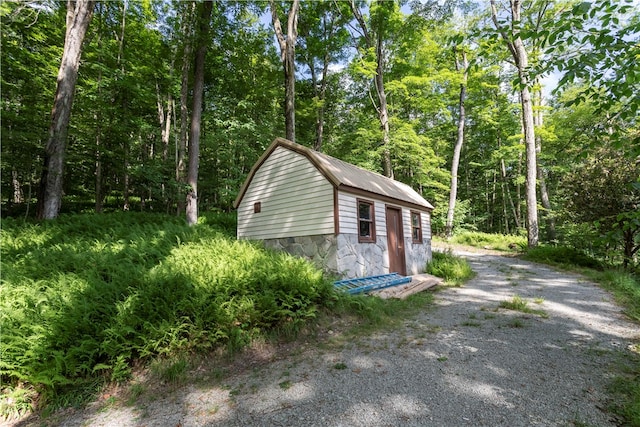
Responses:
[186,27]
[382,14]
[196,112]
[462,65]
[31,41]
[79,13]
[323,39]
[287,43]
[538,121]
[510,31]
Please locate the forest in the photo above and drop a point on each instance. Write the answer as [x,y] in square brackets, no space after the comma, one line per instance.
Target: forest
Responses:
[128,128]
[512,117]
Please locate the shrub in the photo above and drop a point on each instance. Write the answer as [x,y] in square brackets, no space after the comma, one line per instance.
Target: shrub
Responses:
[454,270]
[560,255]
[500,242]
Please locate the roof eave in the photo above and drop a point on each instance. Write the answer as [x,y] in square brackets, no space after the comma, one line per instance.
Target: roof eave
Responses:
[385,198]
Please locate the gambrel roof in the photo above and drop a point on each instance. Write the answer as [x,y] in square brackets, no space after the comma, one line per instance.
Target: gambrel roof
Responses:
[345,177]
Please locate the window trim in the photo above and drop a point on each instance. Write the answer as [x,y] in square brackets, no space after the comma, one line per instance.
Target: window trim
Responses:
[372,211]
[419,227]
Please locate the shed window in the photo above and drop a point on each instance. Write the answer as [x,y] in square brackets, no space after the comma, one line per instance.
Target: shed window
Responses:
[416,227]
[366,221]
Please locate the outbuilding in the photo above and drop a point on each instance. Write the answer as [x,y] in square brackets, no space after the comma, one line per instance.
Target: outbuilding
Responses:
[350,221]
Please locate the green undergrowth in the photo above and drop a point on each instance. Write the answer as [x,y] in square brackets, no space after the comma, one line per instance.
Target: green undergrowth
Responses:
[625,286]
[87,299]
[84,297]
[453,269]
[499,242]
[562,256]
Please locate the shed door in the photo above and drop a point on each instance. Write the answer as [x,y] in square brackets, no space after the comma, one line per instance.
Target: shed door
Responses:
[395,241]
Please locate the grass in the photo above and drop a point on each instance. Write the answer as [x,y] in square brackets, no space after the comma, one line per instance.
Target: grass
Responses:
[562,256]
[498,242]
[454,270]
[518,304]
[626,388]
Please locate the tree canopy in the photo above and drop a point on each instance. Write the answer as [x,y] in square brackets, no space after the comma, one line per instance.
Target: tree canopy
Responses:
[376,84]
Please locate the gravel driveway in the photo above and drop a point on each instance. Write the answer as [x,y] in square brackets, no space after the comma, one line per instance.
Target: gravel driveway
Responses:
[464,362]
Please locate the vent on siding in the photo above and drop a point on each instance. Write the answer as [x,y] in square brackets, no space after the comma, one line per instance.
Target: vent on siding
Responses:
[257,207]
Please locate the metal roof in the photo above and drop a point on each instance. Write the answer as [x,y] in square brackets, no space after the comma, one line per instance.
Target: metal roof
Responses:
[344,176]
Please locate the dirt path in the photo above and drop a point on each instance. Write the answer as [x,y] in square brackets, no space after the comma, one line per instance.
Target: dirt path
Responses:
[464,362]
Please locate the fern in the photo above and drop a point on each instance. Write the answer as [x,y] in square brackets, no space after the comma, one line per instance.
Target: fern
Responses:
[84,296]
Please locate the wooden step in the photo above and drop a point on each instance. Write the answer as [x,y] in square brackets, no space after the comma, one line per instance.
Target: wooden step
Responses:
[419,283]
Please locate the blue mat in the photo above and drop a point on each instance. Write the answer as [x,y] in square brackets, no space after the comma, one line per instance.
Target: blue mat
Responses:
[370,283]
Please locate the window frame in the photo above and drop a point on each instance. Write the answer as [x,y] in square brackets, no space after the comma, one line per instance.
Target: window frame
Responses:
[372,221]
[419,227]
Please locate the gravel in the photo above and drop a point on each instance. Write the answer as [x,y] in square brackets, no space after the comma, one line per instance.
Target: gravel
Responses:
[463,362]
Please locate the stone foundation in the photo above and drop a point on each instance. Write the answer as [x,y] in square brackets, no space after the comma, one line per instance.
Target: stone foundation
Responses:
[319,249]
[344,256]
[417,256]
[362,259]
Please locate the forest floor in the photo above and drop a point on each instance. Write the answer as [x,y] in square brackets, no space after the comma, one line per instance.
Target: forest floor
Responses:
[521,344]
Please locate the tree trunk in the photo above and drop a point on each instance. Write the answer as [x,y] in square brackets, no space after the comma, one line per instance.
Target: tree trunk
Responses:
[519,54]
[458,147]
[538,119]
[187,25]
[165,128]
[196,114]
[531,169]
[98,189]
[505,212]
[320,91]
[79,13]
[126,179]
[514,211]
[287,45]
[99,197]
[383,111]
[18,194]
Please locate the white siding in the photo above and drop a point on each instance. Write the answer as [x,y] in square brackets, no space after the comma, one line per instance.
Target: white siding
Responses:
[426,225]
[296,199]
[348,214]
[425,220]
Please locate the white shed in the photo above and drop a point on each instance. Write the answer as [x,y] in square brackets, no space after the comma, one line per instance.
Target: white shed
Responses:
[350,221]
